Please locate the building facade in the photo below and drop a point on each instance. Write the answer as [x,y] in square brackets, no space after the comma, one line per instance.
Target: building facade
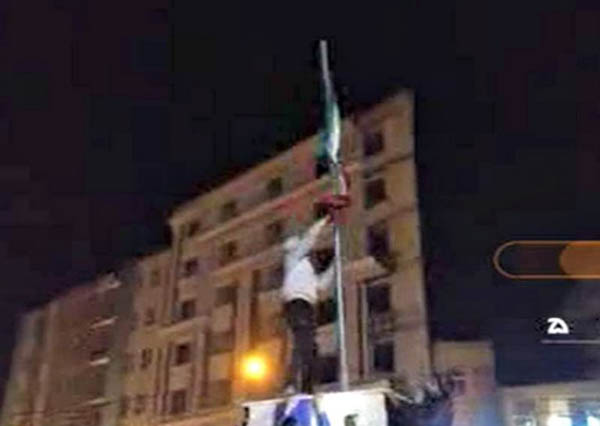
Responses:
[66,366]
[192,313]
[552,404]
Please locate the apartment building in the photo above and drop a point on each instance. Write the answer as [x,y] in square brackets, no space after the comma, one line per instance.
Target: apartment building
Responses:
[192,313]
[65,368]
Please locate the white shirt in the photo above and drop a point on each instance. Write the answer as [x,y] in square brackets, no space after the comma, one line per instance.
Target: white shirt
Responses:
[300,279]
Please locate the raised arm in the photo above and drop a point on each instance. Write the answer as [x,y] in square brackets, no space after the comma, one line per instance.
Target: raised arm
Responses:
[308,239]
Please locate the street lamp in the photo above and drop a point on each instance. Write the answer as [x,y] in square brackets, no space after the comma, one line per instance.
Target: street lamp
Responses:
[254,368]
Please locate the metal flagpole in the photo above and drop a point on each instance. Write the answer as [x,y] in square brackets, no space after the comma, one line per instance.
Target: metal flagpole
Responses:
[339,187]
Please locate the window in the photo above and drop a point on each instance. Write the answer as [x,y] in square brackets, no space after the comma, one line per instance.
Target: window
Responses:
[140,404]
[321,167]
[146,358]
[155,278]
[274,232]
[274,188]
[374,192]
[373,143]
[229,211]
[328,369]
[183,353]
[193,228]
[383,357]
[377,240]
[229,252]
[149,317]
[187,309]
[178,401]
[226,295]
[326,312]
[378,298]
[124,406]
[190,267]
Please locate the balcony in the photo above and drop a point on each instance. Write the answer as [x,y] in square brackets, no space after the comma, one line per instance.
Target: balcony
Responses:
[103,322]
[99,357]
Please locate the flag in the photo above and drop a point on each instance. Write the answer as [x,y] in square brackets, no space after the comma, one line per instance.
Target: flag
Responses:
[332,132]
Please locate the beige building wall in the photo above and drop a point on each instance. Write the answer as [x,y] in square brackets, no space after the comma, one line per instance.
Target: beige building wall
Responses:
[227,259]
[475,401]
[541,405]
[144,352]
[67,351]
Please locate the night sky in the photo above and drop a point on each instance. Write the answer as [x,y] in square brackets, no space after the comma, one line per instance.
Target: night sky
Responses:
[111,116]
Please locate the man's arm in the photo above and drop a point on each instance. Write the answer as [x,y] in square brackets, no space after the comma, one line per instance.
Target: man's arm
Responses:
[307,241]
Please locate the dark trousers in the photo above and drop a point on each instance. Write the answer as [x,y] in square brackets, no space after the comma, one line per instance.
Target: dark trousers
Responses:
[300,316]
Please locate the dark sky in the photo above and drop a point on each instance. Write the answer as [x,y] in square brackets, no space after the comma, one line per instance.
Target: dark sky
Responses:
[109,117]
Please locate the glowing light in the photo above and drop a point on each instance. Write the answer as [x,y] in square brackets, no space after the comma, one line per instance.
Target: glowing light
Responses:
[254,367]
[555,420]
[593,421]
